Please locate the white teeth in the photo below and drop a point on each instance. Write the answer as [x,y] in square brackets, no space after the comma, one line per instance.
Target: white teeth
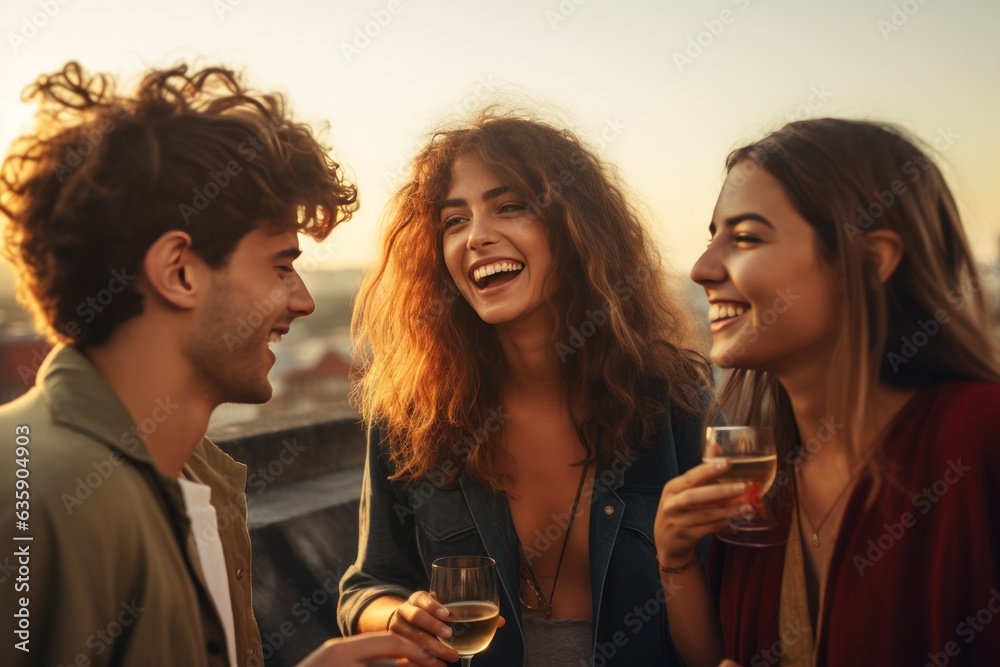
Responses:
[496,267]
[275,337]
[718,312]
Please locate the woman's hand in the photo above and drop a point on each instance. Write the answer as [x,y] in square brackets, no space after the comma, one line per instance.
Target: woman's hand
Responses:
[693,506]
[362,650]
[420,619]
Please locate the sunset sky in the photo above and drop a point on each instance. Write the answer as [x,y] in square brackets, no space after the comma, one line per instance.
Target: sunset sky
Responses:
[663,89]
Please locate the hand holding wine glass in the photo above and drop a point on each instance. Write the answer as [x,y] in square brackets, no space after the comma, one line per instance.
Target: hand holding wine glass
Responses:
[751,455]
[693,506]
[467,586]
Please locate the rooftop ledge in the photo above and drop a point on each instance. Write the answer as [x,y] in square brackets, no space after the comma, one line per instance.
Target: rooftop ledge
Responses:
[304,474]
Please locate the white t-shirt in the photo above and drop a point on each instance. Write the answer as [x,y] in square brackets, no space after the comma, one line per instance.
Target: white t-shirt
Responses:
[205,528]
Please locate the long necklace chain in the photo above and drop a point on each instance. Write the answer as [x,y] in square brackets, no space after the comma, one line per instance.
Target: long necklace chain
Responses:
[818,527]
[536,589]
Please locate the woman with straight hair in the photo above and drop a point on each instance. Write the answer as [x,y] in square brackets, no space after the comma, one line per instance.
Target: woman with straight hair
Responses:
[528,379]
[846,300]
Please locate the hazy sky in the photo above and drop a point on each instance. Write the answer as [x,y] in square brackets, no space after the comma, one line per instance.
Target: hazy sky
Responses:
[663,89]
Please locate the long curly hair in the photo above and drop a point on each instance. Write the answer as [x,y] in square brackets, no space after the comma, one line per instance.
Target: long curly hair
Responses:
[104,175]
[431,368]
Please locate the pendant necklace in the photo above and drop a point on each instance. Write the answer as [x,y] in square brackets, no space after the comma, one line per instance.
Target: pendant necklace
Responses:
[529,574]
[818,527]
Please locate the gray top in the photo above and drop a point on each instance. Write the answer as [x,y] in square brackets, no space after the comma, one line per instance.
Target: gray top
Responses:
[554,642]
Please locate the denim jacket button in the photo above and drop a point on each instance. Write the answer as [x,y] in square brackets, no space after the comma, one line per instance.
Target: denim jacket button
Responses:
[609,510]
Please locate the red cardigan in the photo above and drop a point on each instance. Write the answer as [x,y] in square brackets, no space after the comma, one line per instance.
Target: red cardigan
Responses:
[915,579]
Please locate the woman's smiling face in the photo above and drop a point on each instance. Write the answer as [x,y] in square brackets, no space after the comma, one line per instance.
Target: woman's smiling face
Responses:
[497,254]
[774,298]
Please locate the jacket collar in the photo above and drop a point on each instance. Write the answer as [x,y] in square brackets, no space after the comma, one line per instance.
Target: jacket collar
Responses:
[491,513]
[80,399]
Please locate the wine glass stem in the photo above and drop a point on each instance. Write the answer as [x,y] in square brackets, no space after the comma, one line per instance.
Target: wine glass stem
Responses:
[466,661]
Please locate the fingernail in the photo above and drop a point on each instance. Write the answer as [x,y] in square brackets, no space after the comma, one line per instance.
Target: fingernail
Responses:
[445,631]
[721,464]
[738,487]
[442,612]
[745,508]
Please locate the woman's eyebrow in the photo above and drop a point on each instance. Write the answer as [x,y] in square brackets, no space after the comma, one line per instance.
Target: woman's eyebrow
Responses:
[488,195]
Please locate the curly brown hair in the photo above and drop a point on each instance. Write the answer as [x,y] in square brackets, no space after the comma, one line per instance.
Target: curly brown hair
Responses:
[104,175]
[432,368]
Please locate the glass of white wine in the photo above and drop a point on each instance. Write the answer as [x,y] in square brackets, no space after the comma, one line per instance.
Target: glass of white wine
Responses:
[467,586]
[751,451]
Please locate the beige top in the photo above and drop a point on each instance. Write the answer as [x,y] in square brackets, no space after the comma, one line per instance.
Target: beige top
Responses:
[799,632]
[794,625]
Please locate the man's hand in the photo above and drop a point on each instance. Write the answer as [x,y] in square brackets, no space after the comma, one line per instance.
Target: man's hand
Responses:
[363,649]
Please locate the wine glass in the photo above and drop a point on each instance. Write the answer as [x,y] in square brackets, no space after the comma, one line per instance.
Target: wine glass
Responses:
[751,451]
[467,587]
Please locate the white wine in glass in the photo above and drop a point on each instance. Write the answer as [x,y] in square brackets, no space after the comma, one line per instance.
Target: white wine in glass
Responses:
[467,587]
[751,452]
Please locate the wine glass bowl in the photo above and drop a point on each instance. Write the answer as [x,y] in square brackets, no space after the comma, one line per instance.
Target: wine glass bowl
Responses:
[467,587]
[753,457]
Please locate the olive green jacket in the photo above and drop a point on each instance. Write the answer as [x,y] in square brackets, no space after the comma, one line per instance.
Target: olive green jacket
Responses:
[107,571]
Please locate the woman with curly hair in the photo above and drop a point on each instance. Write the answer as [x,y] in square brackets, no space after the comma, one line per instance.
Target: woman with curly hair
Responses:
[529,385]
[881,380]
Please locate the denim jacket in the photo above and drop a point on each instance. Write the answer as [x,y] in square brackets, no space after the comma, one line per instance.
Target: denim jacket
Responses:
[404,530]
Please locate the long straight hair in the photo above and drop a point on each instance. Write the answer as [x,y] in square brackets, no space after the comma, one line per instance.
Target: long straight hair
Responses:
[927,323]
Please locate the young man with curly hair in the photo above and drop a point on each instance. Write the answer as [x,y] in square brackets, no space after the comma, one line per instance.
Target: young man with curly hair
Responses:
[147,230]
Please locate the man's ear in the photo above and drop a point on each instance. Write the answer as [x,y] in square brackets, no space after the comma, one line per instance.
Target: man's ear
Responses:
[174,271]
[883,250]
